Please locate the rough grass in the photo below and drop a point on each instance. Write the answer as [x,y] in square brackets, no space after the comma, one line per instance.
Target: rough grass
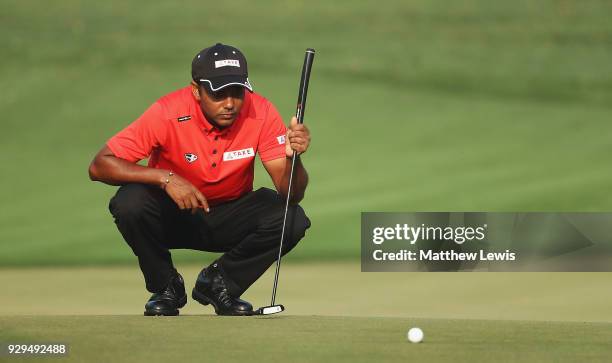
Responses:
[471,105]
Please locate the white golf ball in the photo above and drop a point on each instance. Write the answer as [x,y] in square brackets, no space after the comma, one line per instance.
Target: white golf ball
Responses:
[415,335]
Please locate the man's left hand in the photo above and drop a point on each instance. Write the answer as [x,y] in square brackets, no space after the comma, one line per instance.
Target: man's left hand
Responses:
[298,138]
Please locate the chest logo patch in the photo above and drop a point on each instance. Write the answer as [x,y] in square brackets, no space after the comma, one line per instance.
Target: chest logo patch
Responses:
[191,157]
[238,154]
[184,118]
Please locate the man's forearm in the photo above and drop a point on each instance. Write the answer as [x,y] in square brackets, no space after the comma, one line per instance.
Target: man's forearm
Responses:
[299,182]
[115,171]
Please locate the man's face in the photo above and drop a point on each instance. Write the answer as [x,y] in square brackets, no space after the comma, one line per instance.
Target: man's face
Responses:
[220,108]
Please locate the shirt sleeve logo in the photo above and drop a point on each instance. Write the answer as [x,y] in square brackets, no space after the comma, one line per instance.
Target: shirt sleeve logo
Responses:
[281,139]
[238,154]
[191,157]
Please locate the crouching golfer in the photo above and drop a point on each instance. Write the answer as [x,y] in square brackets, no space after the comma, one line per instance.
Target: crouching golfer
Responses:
[197,190]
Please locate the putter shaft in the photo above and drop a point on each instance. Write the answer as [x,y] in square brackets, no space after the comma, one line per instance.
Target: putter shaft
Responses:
[301,107]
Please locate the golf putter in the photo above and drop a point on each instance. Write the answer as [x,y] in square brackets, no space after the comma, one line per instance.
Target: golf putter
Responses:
[301,107]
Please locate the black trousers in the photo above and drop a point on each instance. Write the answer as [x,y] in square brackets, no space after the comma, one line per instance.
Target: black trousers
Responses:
[247,230]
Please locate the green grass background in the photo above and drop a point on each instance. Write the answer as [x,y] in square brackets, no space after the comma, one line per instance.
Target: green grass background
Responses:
[413,106]
[470,105]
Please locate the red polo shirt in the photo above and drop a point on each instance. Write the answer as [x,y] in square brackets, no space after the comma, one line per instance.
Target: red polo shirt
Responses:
[175,135]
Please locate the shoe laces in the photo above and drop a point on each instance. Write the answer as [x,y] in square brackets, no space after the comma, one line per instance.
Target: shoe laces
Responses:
[221,290]
[224,297]
[171,290]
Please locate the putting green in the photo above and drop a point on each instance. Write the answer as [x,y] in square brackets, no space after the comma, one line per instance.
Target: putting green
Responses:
[286,338]
[334,313]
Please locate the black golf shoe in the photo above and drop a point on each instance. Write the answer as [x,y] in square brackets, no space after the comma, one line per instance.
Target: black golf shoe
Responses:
[210,288]
[168,301]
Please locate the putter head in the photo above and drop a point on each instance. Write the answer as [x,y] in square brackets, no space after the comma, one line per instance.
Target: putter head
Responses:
[267,310]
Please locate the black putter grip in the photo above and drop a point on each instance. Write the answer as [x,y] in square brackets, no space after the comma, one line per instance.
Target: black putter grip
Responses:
[301,103]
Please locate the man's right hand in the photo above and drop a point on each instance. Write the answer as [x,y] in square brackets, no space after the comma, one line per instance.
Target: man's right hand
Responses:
[185,194]
[109,169]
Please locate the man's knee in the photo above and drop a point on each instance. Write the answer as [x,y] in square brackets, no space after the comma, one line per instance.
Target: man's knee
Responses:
[297,221]
[272,221]
[131,202]
[296,225]
[299,224]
